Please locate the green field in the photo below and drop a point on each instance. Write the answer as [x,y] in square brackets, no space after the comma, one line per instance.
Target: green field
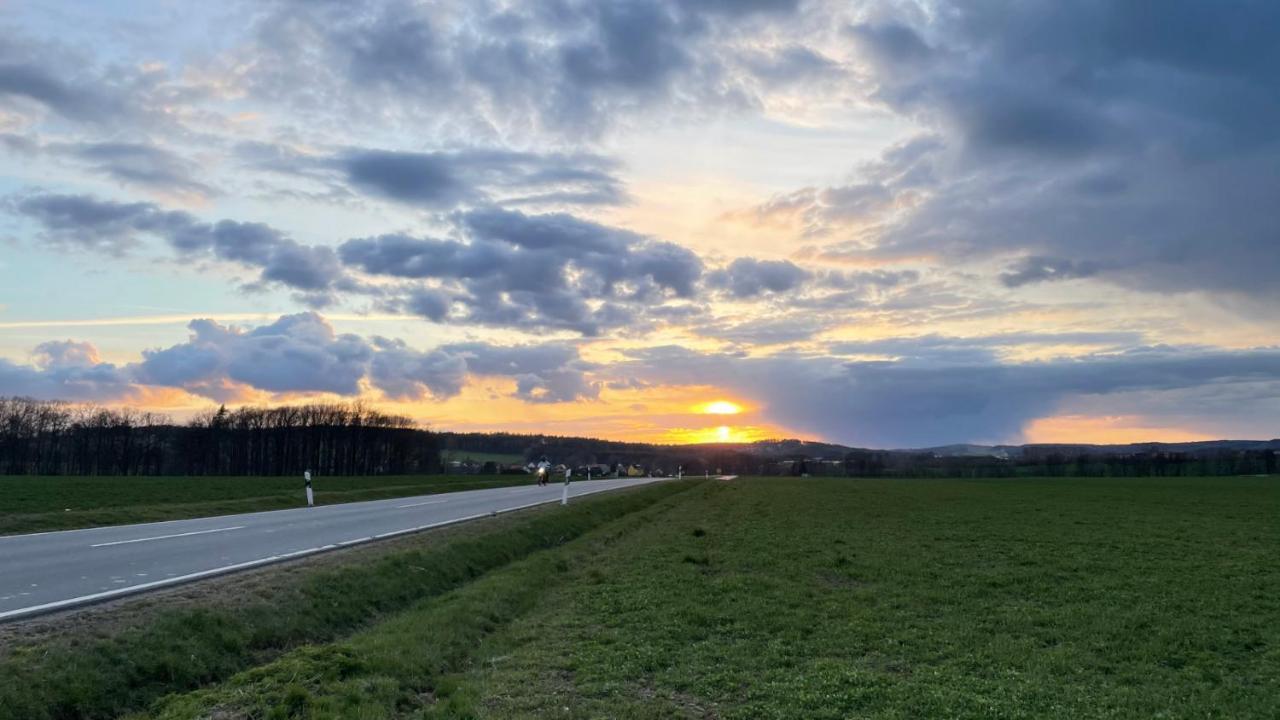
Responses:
[39,503]
[827,598]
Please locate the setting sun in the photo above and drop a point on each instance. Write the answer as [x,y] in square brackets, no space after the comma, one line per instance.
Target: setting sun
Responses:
[721,407]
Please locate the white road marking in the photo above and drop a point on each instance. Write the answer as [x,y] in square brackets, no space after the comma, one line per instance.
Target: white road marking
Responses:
[166,537]
[108,592]
[429,502]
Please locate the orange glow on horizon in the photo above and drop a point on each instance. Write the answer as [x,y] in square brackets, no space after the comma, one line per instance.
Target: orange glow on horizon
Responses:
[1104,430]
[716,434]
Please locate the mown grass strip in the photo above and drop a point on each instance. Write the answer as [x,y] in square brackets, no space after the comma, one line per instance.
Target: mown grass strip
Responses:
[395,668]
[186,649]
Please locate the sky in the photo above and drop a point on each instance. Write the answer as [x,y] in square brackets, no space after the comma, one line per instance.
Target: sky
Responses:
[887,223]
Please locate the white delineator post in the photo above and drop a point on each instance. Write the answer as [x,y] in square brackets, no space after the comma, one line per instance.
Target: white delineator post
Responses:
[311,500]
[564,495]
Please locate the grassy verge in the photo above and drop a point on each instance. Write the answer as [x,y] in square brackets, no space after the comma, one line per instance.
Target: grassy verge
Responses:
[187,648]
[398,667]
[36,504]
[835,598]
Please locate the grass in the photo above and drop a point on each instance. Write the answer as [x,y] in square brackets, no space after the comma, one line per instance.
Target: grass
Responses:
[40,503]
[1109,598]
[183,649]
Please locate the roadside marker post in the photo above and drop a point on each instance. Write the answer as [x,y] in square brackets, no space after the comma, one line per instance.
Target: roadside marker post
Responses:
[564,495]
[311,500]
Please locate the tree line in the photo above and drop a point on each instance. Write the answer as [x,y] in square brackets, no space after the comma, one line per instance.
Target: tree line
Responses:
[1066,463]
[55,438]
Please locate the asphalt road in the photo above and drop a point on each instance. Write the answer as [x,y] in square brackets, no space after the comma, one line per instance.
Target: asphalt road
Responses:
[51,571]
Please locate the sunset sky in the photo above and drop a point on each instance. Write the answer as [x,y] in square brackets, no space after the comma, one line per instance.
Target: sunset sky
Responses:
[884,224]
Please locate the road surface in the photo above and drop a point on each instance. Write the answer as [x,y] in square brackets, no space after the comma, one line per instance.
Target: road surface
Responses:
[51,571]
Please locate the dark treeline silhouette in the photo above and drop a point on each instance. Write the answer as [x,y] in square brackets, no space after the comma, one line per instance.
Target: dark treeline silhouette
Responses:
[53,438]
[1064,463]
[793,457]
[579,451]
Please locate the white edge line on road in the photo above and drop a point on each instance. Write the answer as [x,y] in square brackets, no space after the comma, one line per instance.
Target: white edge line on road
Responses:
[166,537]
[429,502]
[132,589]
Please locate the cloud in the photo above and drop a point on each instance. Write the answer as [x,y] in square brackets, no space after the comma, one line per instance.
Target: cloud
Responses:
[79,220]
[445,179]
[408,177]
[937,349]
[34,82]
[532,271]
[529,271]
[1090,138]
[1043,269]
[114,227]
[550,372]
[766,331]
[913,404]
[566,69]
[748,277]
[141,164]
[303,354]
[406,374]
[38,77]
[65,370]
[295,354]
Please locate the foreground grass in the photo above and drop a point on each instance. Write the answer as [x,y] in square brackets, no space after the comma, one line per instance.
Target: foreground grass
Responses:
[184,649]
[838,598]
[40,503]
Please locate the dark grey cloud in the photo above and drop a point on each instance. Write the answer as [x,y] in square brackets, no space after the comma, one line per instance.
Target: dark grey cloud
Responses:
[1130,143]
[570,68]
[749,277]
[532,271]
[937,349]
[509,269]
[115,227]
[35,82]
[406,374]
[1044,269]
[417,178]
[913,404]
[545,373]
[446,179]
[82,221]
[891,44]
[141,164]
[73,85]
[791,65]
